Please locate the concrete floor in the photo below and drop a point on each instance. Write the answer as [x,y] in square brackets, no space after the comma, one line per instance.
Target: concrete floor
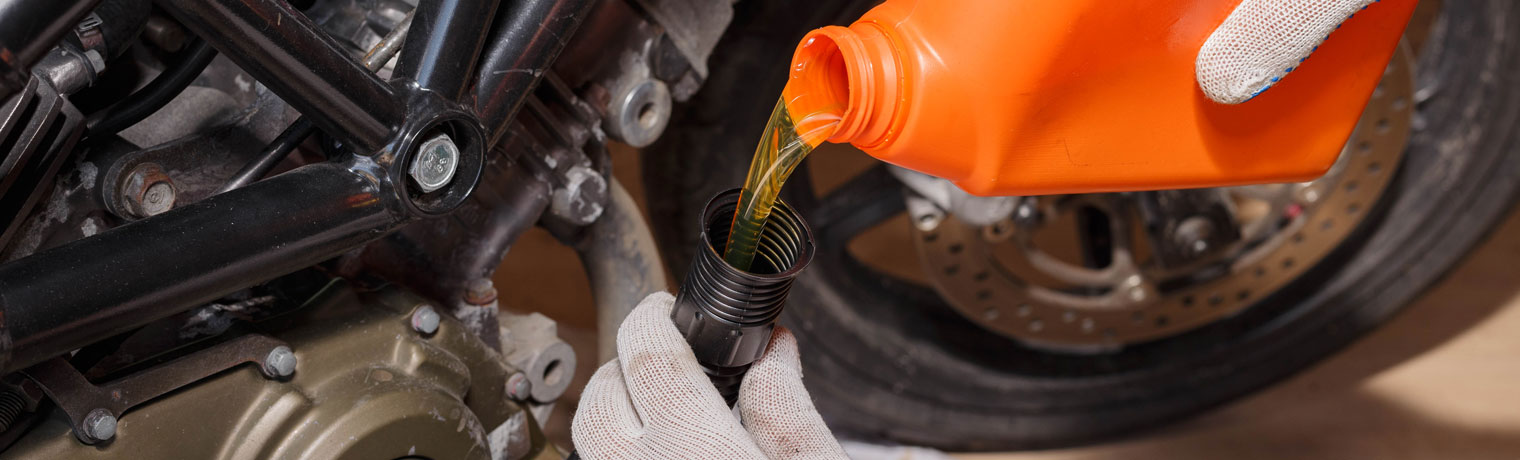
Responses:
[1441,380]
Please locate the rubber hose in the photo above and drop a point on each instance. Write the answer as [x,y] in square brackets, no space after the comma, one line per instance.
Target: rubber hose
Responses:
[159,92]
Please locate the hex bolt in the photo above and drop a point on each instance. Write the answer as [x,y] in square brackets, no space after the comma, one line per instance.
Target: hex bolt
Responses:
[435,163]
[147,191]
[281,362]
[518,387]
[99,426]
[582,198]
[425,319]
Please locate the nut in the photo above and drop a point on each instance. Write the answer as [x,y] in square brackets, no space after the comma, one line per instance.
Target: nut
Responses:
[147,191]
[99,426]
[281,362]
[435,163]
[425,319]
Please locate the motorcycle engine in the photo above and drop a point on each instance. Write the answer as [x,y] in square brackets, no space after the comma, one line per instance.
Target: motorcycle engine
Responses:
[396,350]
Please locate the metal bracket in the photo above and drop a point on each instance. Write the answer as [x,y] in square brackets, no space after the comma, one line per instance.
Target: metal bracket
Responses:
[93,409]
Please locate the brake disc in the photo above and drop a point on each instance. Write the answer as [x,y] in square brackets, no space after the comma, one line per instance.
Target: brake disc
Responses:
[1003,277]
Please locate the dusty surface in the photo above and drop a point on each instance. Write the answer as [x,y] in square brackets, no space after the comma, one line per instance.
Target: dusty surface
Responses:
[1442,380]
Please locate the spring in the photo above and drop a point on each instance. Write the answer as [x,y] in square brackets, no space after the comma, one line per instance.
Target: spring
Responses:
[11,407]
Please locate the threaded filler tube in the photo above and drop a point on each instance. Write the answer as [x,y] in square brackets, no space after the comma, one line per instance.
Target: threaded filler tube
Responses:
[726,314]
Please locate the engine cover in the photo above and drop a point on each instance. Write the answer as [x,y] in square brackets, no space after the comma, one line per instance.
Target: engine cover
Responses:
[367,385]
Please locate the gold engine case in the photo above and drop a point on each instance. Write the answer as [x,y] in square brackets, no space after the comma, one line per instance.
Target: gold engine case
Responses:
[366,386]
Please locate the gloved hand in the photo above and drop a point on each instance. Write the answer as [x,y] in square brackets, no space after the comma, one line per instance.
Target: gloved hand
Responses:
[1264,40]
[654,402]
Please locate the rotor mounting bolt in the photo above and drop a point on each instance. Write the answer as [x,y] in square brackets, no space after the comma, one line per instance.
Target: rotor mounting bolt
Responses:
[425,319]
[518,387]
[1137,288]
[1193,235]
[99,426]
[1027,213]
[435,163]
[281,362]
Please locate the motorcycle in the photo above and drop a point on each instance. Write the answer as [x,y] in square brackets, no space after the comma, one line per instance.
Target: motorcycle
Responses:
[263,228]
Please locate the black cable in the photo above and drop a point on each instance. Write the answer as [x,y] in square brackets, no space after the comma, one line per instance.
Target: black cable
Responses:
[160,91]
[272,154]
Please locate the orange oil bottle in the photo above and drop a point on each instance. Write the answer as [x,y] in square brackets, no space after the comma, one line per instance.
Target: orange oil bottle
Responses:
[1031,97]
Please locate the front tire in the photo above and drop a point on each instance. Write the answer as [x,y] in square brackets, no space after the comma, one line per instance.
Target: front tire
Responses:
[890,360]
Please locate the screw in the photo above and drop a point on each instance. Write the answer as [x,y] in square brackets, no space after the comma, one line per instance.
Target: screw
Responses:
[99,425]
[281,362]
[425,319]
[435,163]
[518,387]
[147,191]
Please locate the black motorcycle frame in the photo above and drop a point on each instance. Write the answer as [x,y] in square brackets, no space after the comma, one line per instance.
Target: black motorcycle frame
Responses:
[456,74]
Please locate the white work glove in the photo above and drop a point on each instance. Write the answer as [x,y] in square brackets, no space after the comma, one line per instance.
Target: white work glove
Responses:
[653,401]
[1264,40]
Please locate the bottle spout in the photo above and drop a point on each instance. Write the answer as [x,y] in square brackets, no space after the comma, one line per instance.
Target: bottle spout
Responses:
[843,85]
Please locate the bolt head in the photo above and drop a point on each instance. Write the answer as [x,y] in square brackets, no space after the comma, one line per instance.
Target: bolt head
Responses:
[1027,213]
[435,163]
[281,362]
[425,319]
[1193,234]
[518,387]
[147,191]
[582,199]
[99,425]
[480,291]
[928,222]
[158,199]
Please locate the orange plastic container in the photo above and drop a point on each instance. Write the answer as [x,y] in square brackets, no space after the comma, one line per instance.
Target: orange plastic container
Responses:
[1030,97]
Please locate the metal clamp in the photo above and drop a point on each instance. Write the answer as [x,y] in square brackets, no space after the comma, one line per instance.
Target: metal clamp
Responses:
[93,410]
